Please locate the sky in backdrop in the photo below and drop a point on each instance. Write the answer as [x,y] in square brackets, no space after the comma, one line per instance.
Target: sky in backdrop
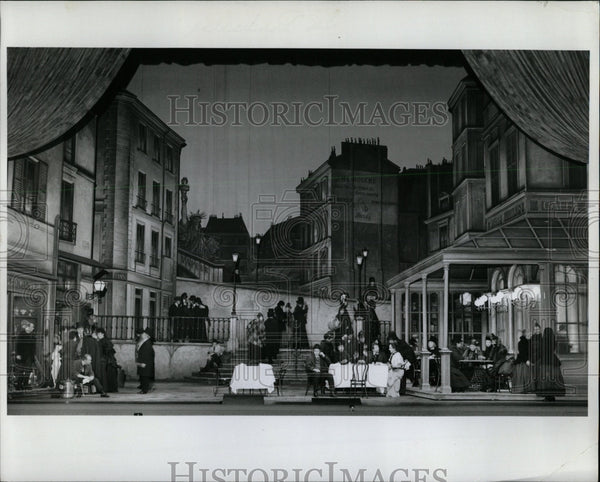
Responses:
[231,168]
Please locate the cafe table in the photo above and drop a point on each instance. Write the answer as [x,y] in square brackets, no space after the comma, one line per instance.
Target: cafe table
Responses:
[252,377]
[342,375]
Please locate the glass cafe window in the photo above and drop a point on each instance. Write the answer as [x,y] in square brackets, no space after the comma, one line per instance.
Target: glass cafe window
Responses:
[570,296]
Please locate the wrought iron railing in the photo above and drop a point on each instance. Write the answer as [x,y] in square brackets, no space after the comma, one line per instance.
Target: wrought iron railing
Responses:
[67,230]
[166,329]
[155,210]
[141,202]
[140,257]
[169,217]
[154,261]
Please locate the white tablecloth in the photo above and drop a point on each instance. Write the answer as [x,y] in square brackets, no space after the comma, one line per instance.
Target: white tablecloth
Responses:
[342,374]
[252,377]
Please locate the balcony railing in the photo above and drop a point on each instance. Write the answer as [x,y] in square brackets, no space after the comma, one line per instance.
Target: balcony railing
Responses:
[140,257]
[141,202]
[155,210]
[166,329]
[169,217]
[154,261]
[67,230]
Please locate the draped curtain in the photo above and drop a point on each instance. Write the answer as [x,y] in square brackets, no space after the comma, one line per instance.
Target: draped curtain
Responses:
[545,93]
[49,90]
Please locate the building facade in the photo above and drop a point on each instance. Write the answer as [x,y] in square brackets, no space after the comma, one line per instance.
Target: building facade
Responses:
[50,247]
[349,203]
[233,237]
[136,206]
[510,248]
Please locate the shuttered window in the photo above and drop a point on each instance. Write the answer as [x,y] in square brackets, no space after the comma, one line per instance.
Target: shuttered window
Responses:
[29,187]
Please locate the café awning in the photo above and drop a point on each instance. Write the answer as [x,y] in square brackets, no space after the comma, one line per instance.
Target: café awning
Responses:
[528,240]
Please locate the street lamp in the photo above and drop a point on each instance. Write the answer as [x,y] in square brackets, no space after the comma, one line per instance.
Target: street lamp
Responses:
[236,258]
[359,262]
[257,239]
[365,253]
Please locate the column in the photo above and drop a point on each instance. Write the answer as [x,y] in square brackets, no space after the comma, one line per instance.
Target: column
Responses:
[444,351]
[492,314]
[547,315]
[425,352]
[406,311]
[510,344]
[394,312]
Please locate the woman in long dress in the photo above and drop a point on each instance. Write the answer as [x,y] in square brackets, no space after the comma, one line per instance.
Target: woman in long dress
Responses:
[396,371]
[550,382]
[56,358]
[521,377]
[108,362]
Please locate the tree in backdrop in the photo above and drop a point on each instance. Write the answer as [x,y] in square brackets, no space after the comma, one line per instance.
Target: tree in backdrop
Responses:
[192,238]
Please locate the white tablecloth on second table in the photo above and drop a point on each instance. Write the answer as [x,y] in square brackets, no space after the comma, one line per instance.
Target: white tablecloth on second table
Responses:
[252,377]
[342,374]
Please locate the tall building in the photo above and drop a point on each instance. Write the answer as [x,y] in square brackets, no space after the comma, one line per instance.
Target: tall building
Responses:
[233,237]
[350,202]
[50,244]
[136,206]
[508,242]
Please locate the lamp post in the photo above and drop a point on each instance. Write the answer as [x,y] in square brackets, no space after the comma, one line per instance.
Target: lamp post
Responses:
[359,262]
[257,239]
[365,253]
[235,257]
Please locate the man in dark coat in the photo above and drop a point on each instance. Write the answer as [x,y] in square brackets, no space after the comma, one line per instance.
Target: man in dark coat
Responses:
[25,355]
[204,321]
[176,312]
[317,371]
[327,345]
[345,323]
[300,320]
[145,361]
[109,362]
[408,354]
[84,374]
[273,337]
[281,318]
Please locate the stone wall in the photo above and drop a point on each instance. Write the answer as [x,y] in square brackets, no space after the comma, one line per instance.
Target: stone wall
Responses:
[173,361]
[251,300]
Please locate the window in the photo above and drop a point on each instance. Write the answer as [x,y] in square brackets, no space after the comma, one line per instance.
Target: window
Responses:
[67,228]
[167,247]
[495,174]
[141,196]
[169,159]
[154,249]
[512,163]
[169,206]
[156,150]
[142,138]
[152,305]
[570,298]
[69,150]
[155,198]
[67,274]
[140,239]
[138,304]
[443,230]
[29,187]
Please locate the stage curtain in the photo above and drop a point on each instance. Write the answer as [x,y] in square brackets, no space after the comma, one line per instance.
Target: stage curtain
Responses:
[51,89]
[545,93]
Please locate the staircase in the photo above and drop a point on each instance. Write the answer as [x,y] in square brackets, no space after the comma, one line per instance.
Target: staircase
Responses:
[294,360]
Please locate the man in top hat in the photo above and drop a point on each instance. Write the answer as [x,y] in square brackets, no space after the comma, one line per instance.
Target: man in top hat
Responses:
[300,315]
[144,360]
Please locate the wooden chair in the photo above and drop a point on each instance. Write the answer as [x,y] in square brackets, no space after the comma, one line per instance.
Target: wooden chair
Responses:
[279,378]
[360,372]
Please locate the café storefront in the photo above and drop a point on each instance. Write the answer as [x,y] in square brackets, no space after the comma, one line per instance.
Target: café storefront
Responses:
[491,283]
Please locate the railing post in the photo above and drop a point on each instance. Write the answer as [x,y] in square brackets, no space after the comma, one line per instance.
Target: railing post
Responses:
[232,343]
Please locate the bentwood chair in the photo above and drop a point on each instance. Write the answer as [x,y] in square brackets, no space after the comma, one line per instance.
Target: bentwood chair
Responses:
[360,372]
